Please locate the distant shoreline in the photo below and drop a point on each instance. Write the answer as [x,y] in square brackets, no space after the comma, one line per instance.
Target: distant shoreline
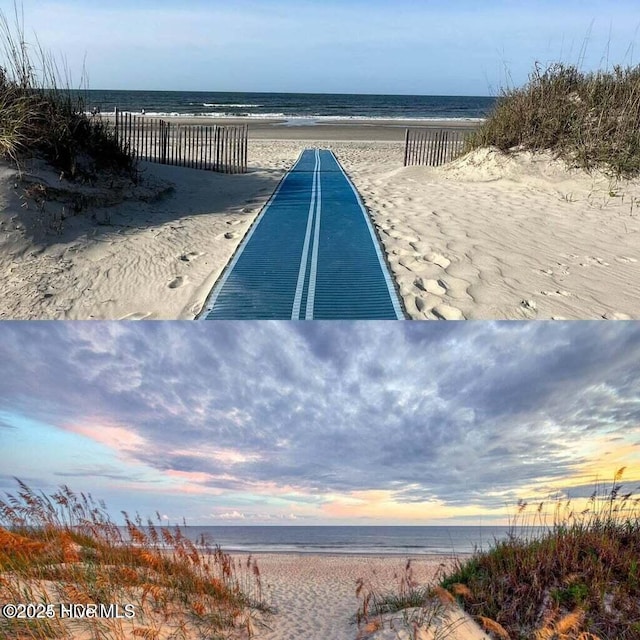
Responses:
[429,555]
[299,120]
[363,129]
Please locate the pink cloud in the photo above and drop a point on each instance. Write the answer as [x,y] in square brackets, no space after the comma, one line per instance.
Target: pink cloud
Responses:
[227,455]
[191,476]
[107,433]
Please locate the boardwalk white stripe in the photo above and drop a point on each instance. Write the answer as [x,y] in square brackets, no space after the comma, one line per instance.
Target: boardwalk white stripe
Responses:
[213,296]
[297,300]
[395,301]
[313,267]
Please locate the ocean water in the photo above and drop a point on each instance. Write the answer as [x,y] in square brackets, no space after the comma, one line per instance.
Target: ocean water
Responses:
[290,105]
[375,540]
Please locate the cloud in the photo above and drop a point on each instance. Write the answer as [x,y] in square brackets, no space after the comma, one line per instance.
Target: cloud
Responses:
[254,517]
[459,414]
[233,515]
[102,471]
[112,435]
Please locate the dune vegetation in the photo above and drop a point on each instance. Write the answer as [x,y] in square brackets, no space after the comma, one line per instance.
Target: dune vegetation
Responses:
[40,116]
[561,574]
[589,119]
[63,549]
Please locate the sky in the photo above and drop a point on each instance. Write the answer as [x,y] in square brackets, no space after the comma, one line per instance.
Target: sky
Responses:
[424,47]
[320,423]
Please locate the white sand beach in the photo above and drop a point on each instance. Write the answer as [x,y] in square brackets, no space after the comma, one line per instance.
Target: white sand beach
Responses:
[488,236]
[315,597]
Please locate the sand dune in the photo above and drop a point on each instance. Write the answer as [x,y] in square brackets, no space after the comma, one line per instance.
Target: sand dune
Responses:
[488,236]
[138,259]
[518,237]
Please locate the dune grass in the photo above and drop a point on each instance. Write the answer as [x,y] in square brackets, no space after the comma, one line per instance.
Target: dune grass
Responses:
[41,117]
[411,605]
[64,549]
[589,119]
[559,575]
[579,580]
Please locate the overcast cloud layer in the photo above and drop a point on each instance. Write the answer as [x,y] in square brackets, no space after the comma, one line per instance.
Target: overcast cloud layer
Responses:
[468,415]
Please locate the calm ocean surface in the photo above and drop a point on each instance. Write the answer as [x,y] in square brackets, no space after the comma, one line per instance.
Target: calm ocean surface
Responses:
[408,541]
[290,105]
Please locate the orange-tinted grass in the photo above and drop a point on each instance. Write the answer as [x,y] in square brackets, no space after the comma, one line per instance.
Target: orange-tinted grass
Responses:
[64,548]
[578,580]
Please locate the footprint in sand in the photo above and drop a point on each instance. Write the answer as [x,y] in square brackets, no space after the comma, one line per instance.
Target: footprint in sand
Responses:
[230,235]
[419,247]
[438,259]
[188,257]
[435,287]
[176,282]
[557,292]
[625,259]
[591,261]
[402,252]
[561,269]
[529,308]
[446,312]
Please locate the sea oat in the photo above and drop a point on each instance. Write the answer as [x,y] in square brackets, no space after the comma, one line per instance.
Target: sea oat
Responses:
[443,596]
[570,622]
[494,627]
[459,589]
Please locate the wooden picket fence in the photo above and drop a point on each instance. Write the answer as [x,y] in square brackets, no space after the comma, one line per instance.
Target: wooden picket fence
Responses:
[210,147]
[432,147]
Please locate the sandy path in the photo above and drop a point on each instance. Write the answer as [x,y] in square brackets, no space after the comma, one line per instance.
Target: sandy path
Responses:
[315,594]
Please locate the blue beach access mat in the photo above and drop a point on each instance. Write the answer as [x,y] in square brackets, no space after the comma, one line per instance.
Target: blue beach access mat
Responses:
[312,253]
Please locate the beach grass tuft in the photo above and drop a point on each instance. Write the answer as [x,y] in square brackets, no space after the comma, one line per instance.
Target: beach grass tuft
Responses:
[40,116]
[63,549]
[589,119]
[410,606]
